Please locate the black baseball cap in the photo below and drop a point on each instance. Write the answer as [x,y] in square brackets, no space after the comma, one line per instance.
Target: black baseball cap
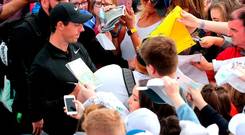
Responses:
[157,95]
[153,96]
[67,12]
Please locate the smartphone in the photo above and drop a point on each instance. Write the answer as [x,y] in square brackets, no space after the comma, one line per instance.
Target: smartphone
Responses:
[197,39]
[142,84]
[69,104]
[150,83]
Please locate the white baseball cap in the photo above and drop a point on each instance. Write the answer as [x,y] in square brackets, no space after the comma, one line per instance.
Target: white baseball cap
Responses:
[237,124]
[191,128]
[109,100]
[143,119]
[112,79]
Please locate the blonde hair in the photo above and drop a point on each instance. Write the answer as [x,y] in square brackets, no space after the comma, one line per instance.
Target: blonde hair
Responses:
[103,120]
[85,114]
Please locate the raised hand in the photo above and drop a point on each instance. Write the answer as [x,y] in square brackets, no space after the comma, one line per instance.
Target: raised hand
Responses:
[189,19]
[37,127]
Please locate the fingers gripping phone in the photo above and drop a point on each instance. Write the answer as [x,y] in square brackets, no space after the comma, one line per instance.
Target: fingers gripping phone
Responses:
[69,104]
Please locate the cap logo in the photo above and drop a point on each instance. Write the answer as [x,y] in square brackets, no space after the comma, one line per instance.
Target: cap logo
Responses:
[75,8]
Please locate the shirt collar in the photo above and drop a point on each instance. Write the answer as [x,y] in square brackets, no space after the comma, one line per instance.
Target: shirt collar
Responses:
[58,52]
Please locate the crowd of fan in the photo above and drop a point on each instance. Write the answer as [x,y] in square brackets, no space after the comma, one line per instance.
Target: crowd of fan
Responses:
[38,39]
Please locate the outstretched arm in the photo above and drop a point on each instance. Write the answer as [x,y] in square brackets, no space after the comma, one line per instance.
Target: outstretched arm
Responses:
[11,8]
[184,112]
[192,21]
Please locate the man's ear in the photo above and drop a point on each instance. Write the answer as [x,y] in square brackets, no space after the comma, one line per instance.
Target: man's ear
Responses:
[151,70]
[60,25]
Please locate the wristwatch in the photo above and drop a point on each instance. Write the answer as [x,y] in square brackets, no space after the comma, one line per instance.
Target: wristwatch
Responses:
[131,31]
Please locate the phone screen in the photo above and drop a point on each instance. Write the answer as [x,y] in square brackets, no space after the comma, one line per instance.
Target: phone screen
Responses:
[70,105]
[142,84]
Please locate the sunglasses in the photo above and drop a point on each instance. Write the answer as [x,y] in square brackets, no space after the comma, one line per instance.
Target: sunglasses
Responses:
[159,3]
[100,4]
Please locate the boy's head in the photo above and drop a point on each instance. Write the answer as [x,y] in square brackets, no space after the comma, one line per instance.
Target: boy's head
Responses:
[160,56]
[104,122]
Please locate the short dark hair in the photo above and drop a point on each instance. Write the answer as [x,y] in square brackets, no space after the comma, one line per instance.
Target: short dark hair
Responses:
[53,25]
[239,13]
[170,125]
[160,52]
[242,17]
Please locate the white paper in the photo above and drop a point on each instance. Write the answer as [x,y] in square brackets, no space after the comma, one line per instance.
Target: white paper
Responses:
[82,72]
[155,82]
[184,64]
[187,59]
[105,42]
[223,74]
[112,17]
[185,82]
[235,61]
[229,74]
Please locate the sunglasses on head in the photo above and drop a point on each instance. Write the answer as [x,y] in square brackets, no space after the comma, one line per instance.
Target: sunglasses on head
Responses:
[166,3]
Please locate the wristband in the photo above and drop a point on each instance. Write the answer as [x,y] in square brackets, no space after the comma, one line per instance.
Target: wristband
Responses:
[202,25]
[131,31]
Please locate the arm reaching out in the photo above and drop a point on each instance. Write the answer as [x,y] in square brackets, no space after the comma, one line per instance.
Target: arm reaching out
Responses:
[11,8]
[192,21]
[209,41]
[196,98]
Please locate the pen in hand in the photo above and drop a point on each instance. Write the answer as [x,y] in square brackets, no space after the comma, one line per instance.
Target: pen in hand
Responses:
[74,83]
[197,39]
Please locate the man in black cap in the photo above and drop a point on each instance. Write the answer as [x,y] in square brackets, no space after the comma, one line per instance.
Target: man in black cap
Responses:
[25,41]
[50,80]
